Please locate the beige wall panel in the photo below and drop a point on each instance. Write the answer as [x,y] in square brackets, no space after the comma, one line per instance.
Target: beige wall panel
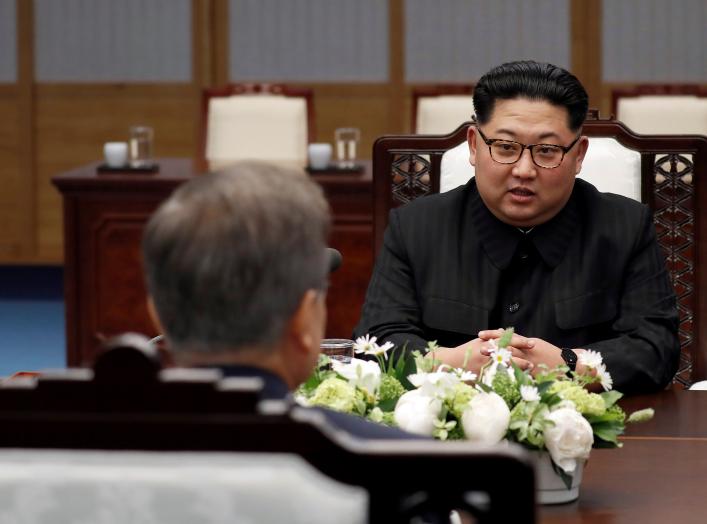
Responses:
[14,213]
[73,123]
[367,110]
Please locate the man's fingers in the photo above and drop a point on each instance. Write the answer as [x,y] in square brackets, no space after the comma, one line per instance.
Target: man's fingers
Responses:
[488,334]
[523,364]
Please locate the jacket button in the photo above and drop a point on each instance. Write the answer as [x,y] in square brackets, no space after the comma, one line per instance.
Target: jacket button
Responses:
[512,308]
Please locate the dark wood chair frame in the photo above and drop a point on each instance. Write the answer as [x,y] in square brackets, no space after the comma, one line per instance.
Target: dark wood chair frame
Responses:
[250,89]
[654,89]
[674,185]
[126,405]
[436,90]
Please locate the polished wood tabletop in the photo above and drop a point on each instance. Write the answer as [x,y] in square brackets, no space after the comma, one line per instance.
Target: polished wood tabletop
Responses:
[659,475]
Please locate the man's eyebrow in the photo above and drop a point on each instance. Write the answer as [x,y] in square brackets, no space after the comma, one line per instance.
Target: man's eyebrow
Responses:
[542,136]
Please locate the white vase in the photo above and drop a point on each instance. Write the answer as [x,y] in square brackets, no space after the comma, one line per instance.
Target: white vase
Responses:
[550,487]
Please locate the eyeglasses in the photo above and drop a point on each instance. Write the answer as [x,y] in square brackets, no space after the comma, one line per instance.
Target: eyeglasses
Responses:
[509,152]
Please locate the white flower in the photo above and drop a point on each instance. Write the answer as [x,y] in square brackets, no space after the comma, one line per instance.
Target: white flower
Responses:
[486,419]
[368,346]
[501,356]
[364,374]
[569,439]
[605,377]
[438,384]
[466,376]
[417,413]
[364,344]
[529,393]
[589,358]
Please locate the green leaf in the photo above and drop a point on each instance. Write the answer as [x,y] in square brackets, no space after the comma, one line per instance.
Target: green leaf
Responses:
[409,368]
[388,405]
[483,387]
[506,337]
[608,432]
[611,397]
[566,477]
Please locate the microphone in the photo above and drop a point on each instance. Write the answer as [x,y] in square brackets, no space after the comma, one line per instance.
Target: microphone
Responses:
[335,259]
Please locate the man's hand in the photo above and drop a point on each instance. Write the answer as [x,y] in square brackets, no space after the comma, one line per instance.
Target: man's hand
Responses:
[474,354]
[533,350]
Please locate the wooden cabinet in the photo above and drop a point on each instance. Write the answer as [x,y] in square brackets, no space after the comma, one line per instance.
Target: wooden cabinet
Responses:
[104,216]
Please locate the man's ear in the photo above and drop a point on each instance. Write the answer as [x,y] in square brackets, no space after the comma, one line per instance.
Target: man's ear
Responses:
[306,326]
[152,311]
[582,147]
[471,140]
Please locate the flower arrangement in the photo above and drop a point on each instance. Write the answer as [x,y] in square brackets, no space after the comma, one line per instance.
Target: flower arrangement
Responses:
[551,410]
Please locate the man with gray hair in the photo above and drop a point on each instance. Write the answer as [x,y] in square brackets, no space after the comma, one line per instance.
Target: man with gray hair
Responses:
[237,271]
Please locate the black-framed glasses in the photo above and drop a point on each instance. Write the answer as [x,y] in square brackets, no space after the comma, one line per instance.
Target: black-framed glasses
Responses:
[547,156]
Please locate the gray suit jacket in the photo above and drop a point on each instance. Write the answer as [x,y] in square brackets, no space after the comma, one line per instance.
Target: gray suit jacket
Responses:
[609,290]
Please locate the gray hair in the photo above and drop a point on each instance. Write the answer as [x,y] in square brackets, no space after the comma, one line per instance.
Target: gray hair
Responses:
[229,256]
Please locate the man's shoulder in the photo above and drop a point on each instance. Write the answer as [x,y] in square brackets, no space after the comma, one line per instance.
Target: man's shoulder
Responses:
[603,206]
[437,203]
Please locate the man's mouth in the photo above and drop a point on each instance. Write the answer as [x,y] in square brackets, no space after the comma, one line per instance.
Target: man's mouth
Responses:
[522,192]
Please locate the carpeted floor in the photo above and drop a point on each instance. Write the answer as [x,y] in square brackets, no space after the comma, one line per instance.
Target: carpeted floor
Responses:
[32,335]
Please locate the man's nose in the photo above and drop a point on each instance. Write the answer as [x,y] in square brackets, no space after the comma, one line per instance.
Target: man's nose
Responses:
[525,167]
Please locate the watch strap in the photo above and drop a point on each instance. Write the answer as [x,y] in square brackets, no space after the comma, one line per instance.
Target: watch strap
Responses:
[570,358]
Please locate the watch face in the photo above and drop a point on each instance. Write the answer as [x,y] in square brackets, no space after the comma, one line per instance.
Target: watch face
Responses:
[570,358]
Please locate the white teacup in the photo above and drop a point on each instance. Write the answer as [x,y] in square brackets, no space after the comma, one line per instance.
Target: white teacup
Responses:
[319,155]
[116,154]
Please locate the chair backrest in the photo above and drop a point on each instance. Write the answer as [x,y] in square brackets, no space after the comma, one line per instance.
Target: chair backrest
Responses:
[437,109]
[257,122]
[662,109]
[265,463]
[406,167]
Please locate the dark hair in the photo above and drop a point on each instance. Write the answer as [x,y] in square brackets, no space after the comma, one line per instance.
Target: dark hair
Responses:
[535,81]
[229,256]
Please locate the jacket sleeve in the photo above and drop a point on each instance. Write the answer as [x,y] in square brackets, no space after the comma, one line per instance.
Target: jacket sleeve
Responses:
[391,310]
[645,354]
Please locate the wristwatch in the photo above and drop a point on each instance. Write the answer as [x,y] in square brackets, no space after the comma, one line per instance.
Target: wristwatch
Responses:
[570,358]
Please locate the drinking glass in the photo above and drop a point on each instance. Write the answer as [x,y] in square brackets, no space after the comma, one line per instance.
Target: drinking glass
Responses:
[346,141]
[141,146]
[340,349]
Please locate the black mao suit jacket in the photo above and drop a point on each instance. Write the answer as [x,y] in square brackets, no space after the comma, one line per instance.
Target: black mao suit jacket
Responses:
[609,290]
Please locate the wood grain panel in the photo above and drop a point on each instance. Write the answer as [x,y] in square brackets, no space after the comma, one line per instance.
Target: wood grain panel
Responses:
[13,206]
[73,122]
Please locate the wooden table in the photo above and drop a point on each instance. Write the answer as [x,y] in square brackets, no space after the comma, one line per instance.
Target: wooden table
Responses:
[660,474]
[104,215]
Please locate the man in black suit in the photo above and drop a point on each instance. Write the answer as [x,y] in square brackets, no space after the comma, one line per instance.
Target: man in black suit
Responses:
[237,271]
[525,244]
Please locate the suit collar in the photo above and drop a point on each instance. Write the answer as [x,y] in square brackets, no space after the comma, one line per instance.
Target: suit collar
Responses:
[500,240]
[273,386]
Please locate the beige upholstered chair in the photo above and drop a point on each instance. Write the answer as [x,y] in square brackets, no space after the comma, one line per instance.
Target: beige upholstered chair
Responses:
[436,110]
[130,442]
[662,109]
[256,122]
[664,114]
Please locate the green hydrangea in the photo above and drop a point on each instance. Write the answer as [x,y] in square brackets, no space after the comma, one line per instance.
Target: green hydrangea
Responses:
[587,403]
[390,388]
[528,423]
[335,394]
[615,413]
[506,388]
[460,398]
[382,417]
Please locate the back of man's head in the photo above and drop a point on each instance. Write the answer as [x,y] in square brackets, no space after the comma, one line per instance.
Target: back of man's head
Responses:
[535,81]
[230,255]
